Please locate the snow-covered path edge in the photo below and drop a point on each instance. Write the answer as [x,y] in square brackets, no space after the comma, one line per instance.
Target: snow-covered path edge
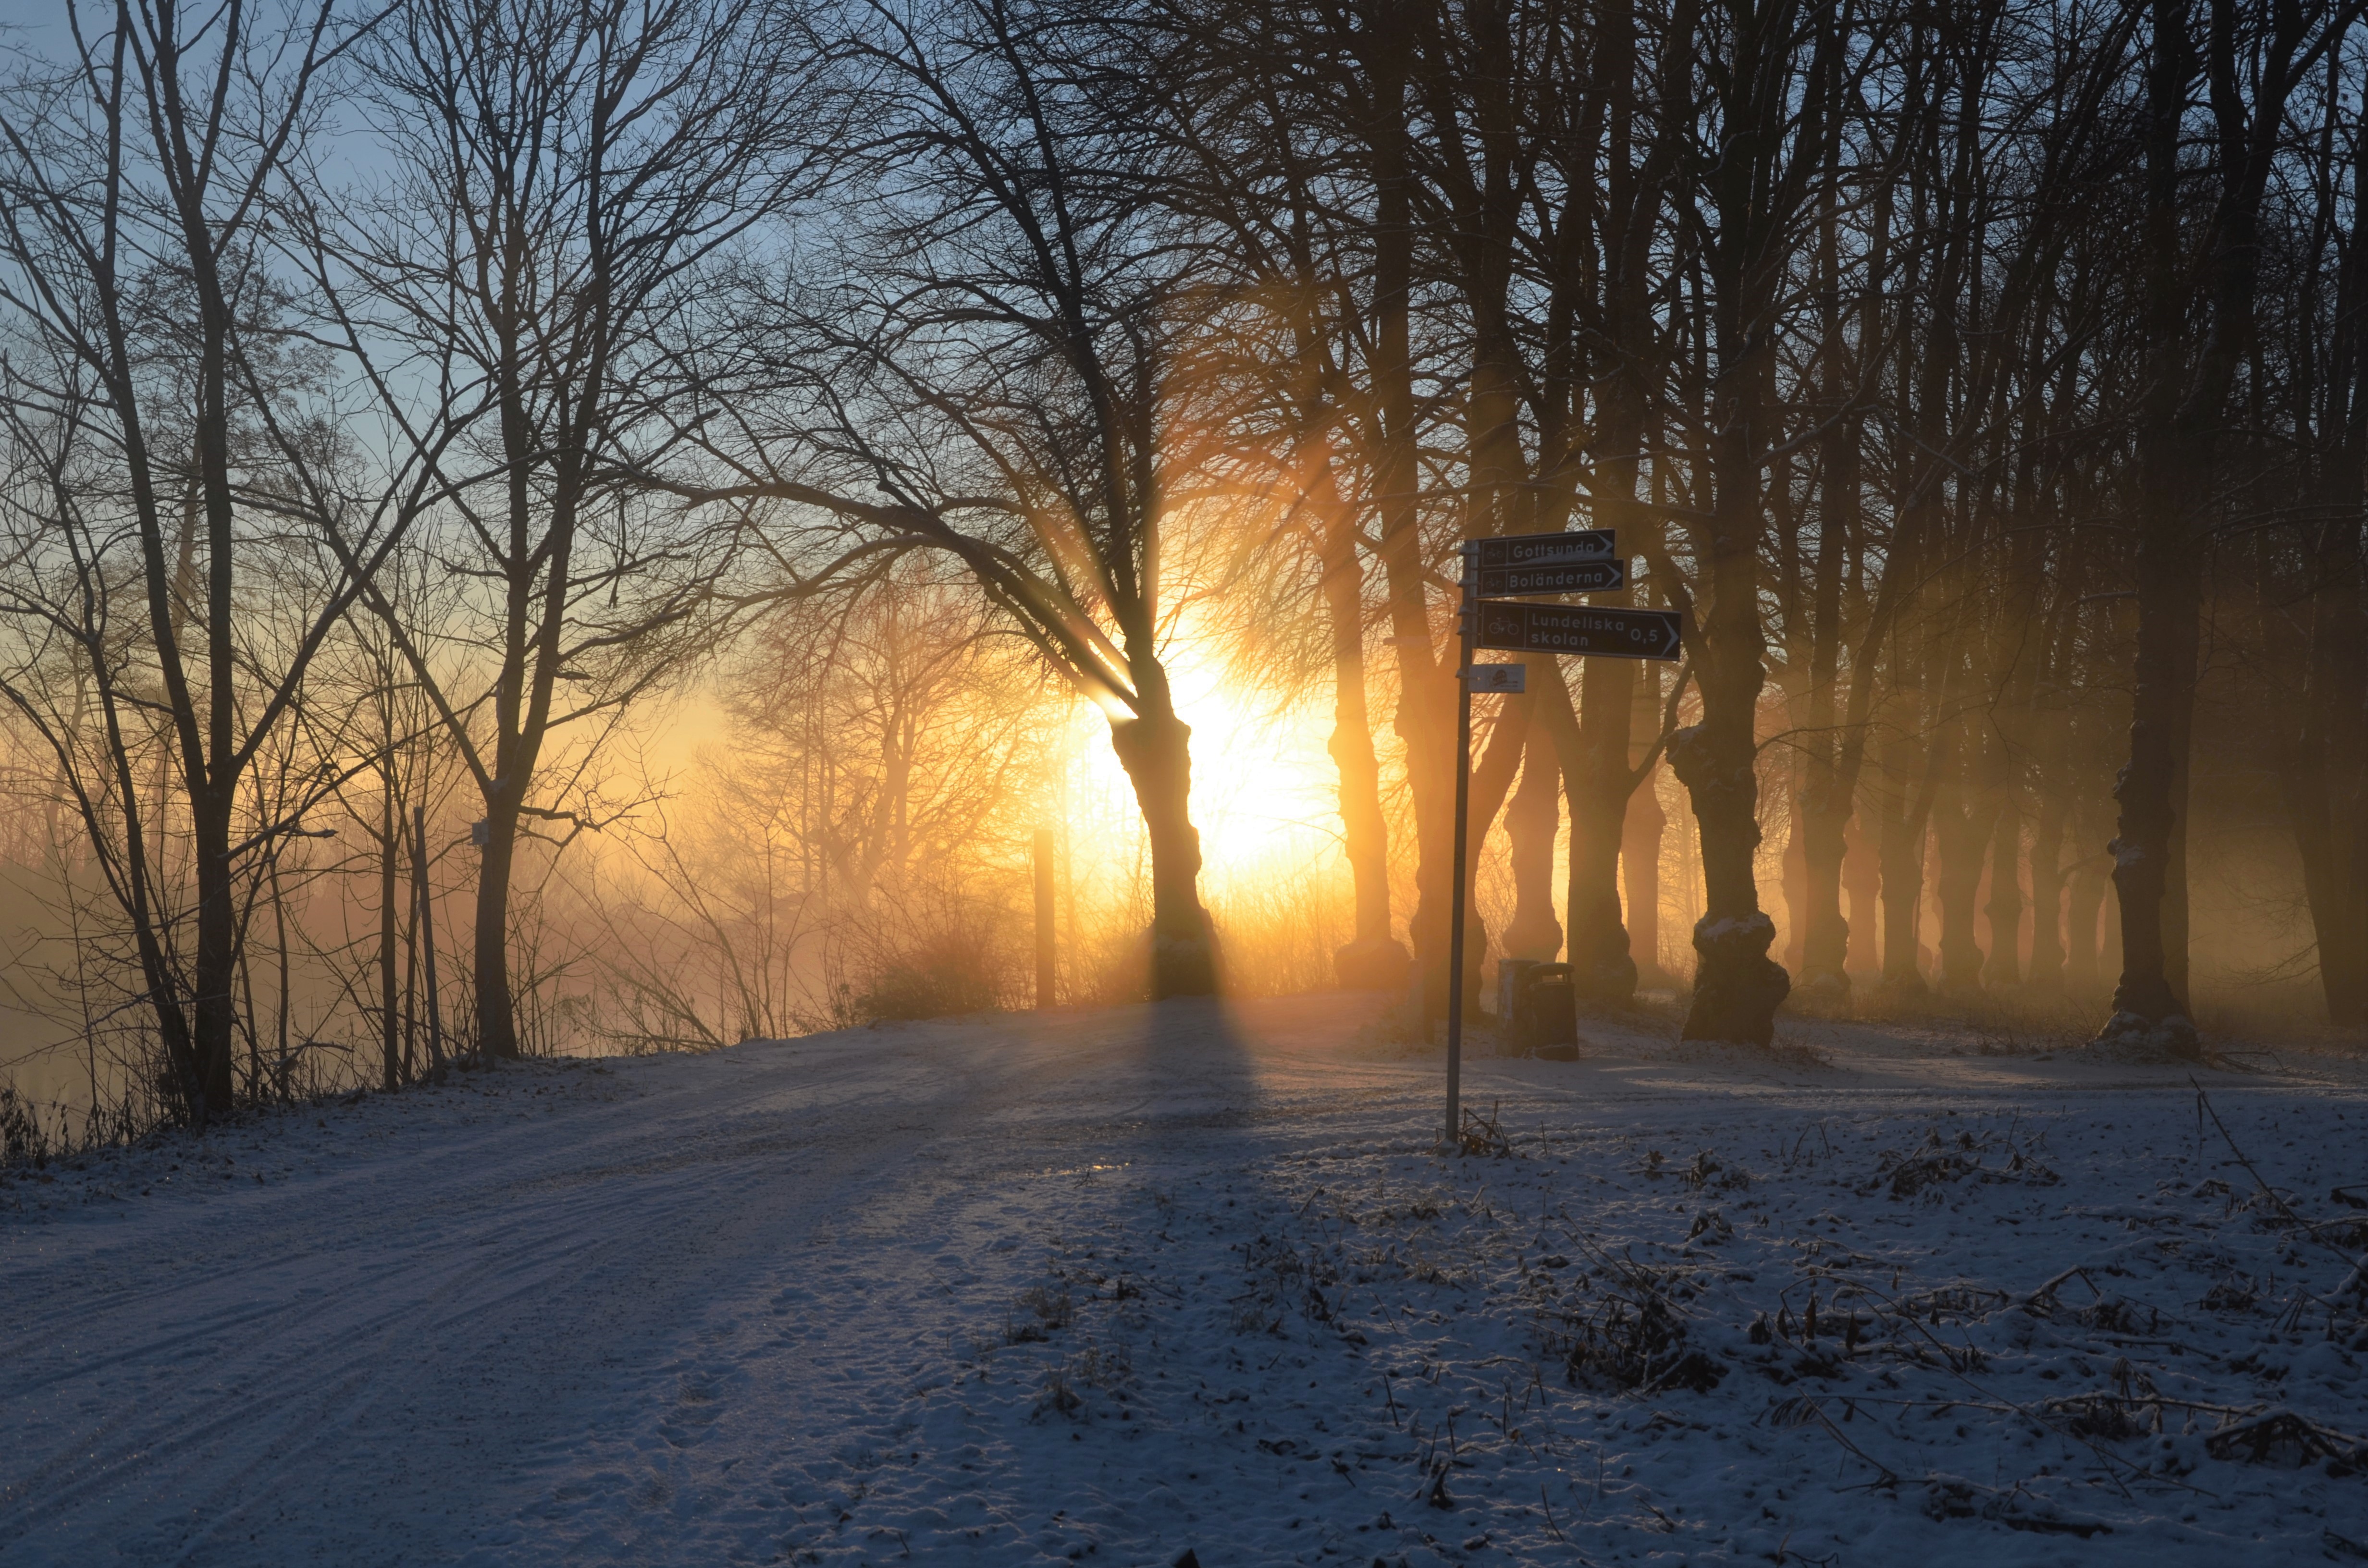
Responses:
[1104,1285]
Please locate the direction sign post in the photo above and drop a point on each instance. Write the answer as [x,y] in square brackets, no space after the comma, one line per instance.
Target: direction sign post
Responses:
[1580,629]
[1498,573]
[1467,627]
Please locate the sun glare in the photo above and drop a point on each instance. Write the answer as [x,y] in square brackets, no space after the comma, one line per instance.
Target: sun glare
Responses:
[1264,792]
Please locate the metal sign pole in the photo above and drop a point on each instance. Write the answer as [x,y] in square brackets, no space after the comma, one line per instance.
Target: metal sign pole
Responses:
[1467,614]
[1499,573]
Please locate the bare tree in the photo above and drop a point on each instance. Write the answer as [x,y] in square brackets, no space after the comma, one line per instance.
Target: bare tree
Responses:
[987,355]
[160,438]
[562,174]
[2199,300]
[1759,157]
[1280,364]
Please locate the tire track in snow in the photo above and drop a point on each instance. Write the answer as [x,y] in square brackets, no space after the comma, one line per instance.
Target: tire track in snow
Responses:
[534,1266]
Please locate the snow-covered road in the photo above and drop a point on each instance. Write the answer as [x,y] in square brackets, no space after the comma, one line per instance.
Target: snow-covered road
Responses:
[1104,1285]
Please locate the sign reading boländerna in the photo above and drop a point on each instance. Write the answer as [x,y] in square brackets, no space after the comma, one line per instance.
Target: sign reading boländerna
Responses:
[1573,577]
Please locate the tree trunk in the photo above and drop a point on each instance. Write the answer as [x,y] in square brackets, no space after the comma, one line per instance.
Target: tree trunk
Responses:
[2326,784]
[2198,327]
[1155,751]
[1793,873]
[1825,950]
[1960,837]
[1602,775]
[410,981]
[213,782]
[2109,934]
[1640,874]
[2084,902]
[2149,845]
[496,1017]
[389,844]
[2047,894]
[1593,746]
[213,1005]
[1532,823]
[1863,880]
[424,900]
[2324,768]
[1901,851]
[2326,778]
[1492,780]
[1427,692]
[1602,968]
[279,947]
[2005,910]
[1048,921]
[1737,988]
[1599,783]
[1375,960]
[1828,793]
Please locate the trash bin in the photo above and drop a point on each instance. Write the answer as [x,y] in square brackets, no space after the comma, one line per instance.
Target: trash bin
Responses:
[1542,1012]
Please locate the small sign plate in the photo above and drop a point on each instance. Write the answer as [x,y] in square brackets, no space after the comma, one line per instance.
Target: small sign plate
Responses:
[1597,576]
[1511,678]
[1573,628]
[1545,550]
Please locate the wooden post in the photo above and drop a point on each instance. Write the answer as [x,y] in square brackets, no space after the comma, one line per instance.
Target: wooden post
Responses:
[1046,966]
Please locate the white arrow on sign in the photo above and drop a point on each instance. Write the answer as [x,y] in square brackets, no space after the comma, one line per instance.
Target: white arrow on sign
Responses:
[1602,575]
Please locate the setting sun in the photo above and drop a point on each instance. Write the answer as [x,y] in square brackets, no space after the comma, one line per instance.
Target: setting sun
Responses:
[1265,799]
[1264,792]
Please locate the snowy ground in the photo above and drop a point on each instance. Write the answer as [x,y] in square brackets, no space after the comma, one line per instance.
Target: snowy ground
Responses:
[1107,1286]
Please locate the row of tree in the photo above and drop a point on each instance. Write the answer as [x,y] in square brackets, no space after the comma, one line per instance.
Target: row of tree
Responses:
[397,398]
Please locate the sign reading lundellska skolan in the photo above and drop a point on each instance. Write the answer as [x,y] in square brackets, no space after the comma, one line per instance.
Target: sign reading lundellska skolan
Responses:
[1573,628]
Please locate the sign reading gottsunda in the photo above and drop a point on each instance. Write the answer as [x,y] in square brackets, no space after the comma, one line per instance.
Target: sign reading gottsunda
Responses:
[1547,550]
[1574,629]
